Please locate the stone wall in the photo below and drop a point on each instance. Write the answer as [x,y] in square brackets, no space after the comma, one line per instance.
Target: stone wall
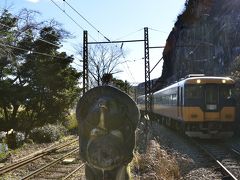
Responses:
[205,39]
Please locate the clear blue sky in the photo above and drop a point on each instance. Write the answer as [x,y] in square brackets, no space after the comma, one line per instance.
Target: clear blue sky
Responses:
[114,19]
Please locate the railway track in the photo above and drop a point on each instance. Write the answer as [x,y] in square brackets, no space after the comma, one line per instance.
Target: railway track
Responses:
[228,159]
[236,151]
[236,148]
[53,170]
[35,164]
[225,154]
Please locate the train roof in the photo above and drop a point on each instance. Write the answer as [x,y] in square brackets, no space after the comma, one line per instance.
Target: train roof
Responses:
[200,80]
[208,79]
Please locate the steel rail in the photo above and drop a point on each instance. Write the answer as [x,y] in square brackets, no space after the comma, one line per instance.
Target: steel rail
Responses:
[236,151]
[19,164]
[216,160]
[38,171]
[71,173]
[33,157]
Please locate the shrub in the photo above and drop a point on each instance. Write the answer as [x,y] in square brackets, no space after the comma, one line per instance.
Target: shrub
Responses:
[3,152]
[47,133]
[155,164]
[71,123]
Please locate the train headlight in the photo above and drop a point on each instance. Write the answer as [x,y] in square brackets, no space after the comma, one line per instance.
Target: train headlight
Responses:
[198,81]
[224,81]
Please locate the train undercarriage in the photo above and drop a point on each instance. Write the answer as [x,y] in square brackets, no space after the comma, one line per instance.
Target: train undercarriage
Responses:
[203,130]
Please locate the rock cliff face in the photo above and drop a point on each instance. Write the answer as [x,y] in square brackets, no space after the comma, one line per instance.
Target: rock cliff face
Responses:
[205,39]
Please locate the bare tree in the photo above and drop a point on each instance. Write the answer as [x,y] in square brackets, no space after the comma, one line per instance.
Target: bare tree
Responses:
[103,59]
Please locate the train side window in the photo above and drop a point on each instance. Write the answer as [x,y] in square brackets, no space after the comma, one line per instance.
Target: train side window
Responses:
[164,100]
[181,99]
[160,100]
[169,100]
[174,99]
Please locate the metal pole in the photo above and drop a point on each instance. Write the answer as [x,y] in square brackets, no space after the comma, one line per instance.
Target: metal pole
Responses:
[147,72]
[85,61]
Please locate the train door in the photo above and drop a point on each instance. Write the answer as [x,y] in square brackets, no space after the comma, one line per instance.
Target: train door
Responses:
[211,103]
[211,97]
[180,102]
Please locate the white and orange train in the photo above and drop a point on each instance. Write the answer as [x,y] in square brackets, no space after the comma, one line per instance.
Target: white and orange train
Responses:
[200,106]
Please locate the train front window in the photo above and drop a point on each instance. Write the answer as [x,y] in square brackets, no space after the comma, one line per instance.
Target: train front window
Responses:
[193,95]
[226,96]
[211,94]
[225,92]
[211,97]
[193,91]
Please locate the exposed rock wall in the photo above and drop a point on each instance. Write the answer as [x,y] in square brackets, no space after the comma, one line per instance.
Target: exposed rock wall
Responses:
[205,39]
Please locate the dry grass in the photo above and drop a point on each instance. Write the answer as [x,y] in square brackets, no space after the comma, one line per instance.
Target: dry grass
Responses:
[154,164]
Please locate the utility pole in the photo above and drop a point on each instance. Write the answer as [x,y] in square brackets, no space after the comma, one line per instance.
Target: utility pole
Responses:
[148,99]
[85,62]
[147,72]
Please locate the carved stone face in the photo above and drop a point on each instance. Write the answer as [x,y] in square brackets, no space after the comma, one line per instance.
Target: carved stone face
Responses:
[106,136]
[105,152]
[107,121]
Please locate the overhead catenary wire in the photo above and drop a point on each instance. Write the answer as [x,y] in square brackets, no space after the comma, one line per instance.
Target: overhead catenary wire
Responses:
[35,52]
[42,30]
[158,30]
[86,21]
[134,80]
[156,64]
[129,34]
[71,18]
[40,39]
[27,50]
[77,64]
[128,69]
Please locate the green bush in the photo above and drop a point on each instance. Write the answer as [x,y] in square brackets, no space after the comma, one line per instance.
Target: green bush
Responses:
[3,151]
[71,123]
[47,133]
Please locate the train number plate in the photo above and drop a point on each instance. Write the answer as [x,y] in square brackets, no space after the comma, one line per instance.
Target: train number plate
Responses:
[211,107]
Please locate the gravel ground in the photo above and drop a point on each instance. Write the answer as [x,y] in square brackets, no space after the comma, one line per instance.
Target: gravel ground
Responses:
[193,164]
[161,154]
[28,150]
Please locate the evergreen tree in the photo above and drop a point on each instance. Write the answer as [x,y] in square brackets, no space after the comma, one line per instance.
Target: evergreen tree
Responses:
[38,85]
